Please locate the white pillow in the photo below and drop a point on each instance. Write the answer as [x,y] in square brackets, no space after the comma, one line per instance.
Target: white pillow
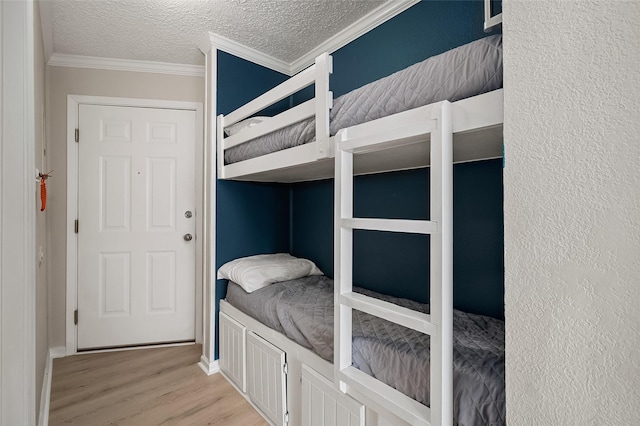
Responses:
[255,272]
[240,126]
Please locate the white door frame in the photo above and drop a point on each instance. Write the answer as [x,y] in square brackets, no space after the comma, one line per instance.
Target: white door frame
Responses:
[73,104]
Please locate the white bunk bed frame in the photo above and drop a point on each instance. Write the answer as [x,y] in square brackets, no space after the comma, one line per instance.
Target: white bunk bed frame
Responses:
[314,160]
[436,135]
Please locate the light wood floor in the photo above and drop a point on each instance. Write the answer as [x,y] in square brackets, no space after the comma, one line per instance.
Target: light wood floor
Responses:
[159,386]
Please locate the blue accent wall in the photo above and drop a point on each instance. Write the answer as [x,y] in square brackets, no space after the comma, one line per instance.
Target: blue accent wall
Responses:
[398,264]
[395,263]
[252,218]
[262,218]
[424,30]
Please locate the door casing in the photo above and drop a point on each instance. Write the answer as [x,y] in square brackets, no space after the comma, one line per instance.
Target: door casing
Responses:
[73,103]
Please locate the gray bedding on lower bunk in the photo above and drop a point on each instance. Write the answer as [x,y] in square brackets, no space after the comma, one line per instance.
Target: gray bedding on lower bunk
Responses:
[302,310]
[465,71]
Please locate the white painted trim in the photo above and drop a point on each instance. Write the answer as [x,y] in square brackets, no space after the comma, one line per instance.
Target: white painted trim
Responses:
[362,26]
[17,215]
[45,395]
[94,62]
[57,352]
[212,41]
[72,239]
[209,209]
[73,103]
[209,367]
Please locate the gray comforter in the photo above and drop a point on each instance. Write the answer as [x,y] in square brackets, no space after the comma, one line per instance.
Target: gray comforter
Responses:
[465,71]
[303,311]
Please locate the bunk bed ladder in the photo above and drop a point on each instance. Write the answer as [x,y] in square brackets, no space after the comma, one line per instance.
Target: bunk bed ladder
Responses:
[439,323]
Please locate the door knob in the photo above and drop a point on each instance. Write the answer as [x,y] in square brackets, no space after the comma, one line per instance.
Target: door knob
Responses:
[188,237]
[188,214]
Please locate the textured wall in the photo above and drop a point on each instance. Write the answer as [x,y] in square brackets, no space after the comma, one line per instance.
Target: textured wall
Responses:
[62,82]
[572,212]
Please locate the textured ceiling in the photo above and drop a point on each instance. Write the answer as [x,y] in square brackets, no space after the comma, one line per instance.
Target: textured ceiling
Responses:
[169,30]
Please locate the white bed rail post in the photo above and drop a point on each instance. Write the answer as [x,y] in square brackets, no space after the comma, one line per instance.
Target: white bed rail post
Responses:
[324,103]
[343,258]
[220,145]
[437,123]
[441,269]
[489,20]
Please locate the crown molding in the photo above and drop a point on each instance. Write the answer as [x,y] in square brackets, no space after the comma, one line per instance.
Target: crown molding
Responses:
[365,24]
[79,61]
[216,41]
[212,40]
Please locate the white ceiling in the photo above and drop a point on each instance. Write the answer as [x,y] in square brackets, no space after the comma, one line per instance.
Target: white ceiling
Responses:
[170,30]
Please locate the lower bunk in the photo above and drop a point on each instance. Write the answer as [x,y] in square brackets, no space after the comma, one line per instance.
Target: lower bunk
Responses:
[276,346]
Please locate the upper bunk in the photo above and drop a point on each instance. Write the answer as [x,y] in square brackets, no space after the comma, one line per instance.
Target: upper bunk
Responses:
[298,144]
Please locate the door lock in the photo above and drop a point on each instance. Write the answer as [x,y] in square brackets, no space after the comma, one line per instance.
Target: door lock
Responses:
[188,237]
[188,214]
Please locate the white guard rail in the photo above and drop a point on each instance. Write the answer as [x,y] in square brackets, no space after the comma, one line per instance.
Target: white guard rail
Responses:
[436,126]
[319,106]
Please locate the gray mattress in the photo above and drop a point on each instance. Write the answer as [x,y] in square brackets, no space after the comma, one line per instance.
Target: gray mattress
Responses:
[303,311]
[465,71]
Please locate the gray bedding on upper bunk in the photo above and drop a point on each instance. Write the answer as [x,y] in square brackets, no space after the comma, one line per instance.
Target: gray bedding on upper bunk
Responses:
[302,310]
[465,71]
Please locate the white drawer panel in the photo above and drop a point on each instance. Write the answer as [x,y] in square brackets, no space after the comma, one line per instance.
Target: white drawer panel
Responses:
[266,378]
[232,350]
[323,405]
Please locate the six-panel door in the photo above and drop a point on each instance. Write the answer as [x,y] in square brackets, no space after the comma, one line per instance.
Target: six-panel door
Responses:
[136,263]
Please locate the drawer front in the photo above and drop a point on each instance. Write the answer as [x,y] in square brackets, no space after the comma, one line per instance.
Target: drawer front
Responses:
[323,405]
[266,378]
[232,350]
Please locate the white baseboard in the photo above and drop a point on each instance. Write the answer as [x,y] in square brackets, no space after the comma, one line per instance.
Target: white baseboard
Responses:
[58,352]
[209,367]
[45,395]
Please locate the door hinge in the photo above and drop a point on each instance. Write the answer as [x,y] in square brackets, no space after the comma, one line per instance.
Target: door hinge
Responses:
[285,368]
[77,135]
[75,226]
[75,317]
[286,418]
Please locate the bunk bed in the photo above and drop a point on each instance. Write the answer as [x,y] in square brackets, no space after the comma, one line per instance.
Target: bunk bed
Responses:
[276,367]
[299,143]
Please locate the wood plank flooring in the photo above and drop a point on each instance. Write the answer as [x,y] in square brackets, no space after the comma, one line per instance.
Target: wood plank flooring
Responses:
[158,386]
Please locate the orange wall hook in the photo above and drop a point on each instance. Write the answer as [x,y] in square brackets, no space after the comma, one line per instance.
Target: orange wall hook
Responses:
[43,189]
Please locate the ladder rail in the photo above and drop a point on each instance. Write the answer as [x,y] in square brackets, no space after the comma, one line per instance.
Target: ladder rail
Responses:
[438,125]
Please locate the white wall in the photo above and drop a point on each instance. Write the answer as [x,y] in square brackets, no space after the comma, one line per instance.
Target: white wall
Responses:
[41,314]
[62,81]
[572,211]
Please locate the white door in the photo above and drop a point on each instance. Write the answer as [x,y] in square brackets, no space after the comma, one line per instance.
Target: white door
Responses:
[136,262]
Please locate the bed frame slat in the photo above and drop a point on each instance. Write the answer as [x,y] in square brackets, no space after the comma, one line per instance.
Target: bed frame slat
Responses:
[390,311]
[410,410]
[294,84]
[392,225]
[284,119]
